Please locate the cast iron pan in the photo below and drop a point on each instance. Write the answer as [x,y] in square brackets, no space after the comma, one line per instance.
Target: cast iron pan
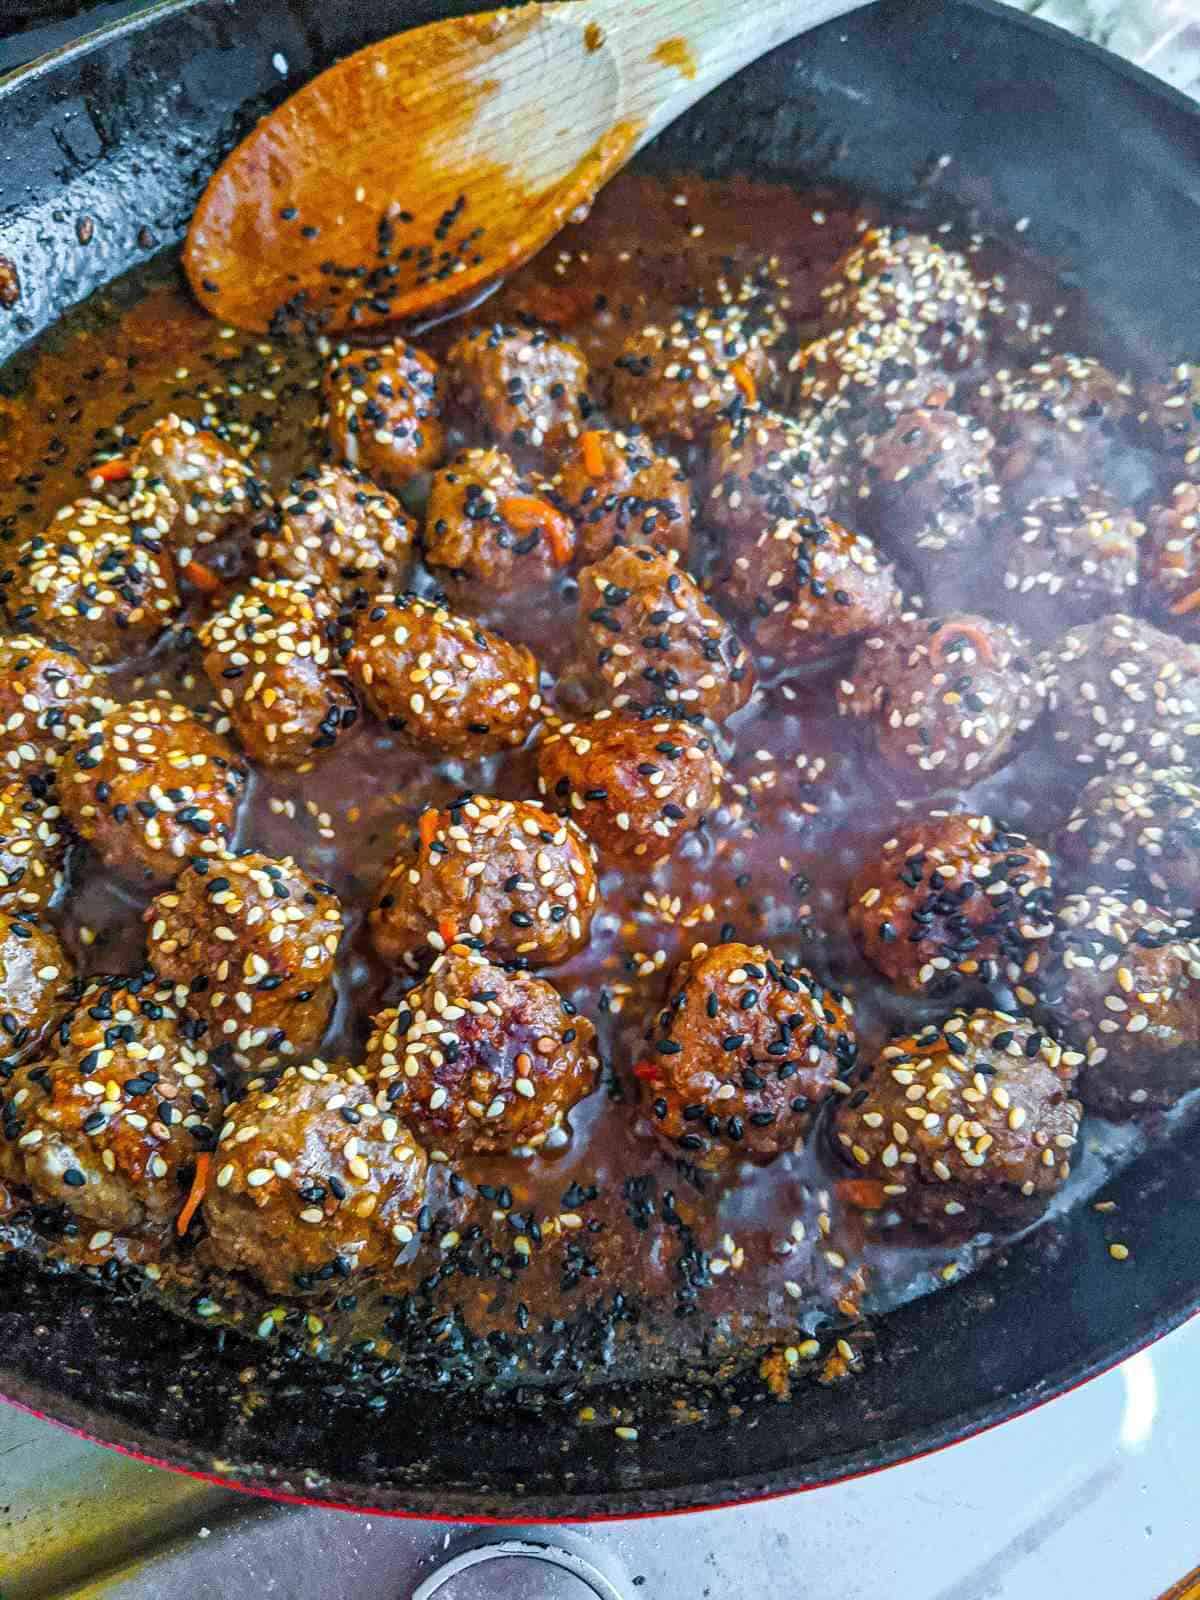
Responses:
[125,127]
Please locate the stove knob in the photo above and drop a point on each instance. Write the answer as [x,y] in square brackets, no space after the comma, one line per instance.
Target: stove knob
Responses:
[561,1567]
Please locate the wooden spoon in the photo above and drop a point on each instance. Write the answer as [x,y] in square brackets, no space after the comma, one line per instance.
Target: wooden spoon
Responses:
[415,172]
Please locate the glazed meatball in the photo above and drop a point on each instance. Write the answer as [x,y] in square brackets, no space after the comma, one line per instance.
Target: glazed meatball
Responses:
[448,685]
[943,701]
[1071,558]
[863,376]
[383,412]
[950,899]
[336,531]
[1170,566]
[745,1050]
[765,468]
[33,849]
[1120,982]
[924,485]
[149,785]
[95,582]
[1120,691]
[525,383]
[46,697]
[312,1181]
[111,1123]
[487,526]
[808,588]
[617,489]
[193,487]
[964,1123]
[1137,831]
[635,784]
[1170,415]
[479,1061]
[648,636]
[504,876]
[35,973]
[249,943]
[271,656]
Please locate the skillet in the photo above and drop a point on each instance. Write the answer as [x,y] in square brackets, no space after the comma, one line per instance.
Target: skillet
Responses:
[124,127]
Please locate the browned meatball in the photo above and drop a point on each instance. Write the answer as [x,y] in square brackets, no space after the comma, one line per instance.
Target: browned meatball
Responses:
[46,697]
[504,876]
[964,1122]
[95,581]
[924,485]
[490,527]
[647,636]
[1071,558]
[149,785]
[312,1181]
[250,944]
[111,1123]
[383,411]
[271,657]
[1170,564]
[33,849]
[1137,831]
[35,974]
[764,468]
[1170,415]
[944,701]
[481,1061]
[949,899]
[808,588]
[193,487]
[336,530]
[1120,691]
[447,684]
[745,1050]
[678,379]
[1120,982]
[864,375]
[526,384]
[635,784]
[618,489]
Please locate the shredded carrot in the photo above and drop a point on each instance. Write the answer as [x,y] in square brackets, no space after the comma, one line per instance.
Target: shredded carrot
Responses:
[1185,603]
[865,1193]
[645,1069]
[524,513]
[962,630]
[448,929]
[195,1194]
[202,577]
[592,447]
[744,379]
[115,471]
[428,826]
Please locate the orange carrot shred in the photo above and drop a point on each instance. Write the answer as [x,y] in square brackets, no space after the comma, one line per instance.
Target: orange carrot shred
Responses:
[202,577]
[195,1194]
[428,826]
[744,379]
[962,630]
[524,513]
[645,1069]
[865,1193]
[1185,603]
[592,447]
[448,929]
[115,471]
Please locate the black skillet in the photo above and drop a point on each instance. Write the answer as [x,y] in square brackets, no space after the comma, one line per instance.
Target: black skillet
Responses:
[125,127]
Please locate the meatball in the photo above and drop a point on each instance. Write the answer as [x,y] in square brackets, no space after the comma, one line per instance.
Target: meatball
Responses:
[764,468]
[383,412]
[111,1123]
[193,487]
[746,1048]
[1170,566]
[1071,558]
[33,849]
[95,581]
[1170,415]
[312,1181]
[924,485]
[949,899]
[149,785]
[504,876]
[1120,691]
[481,1061]
[35,973]
[337,531]
[271,657]
[945,700]
[526,384]
[648,636]
[864,375]
[1137,831]
[679,379]
[808,588]
[965,1122]
[635,784]
[488,526]
[46,697]
[249,943]
[618,489]
[448,685]
[1120,982]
